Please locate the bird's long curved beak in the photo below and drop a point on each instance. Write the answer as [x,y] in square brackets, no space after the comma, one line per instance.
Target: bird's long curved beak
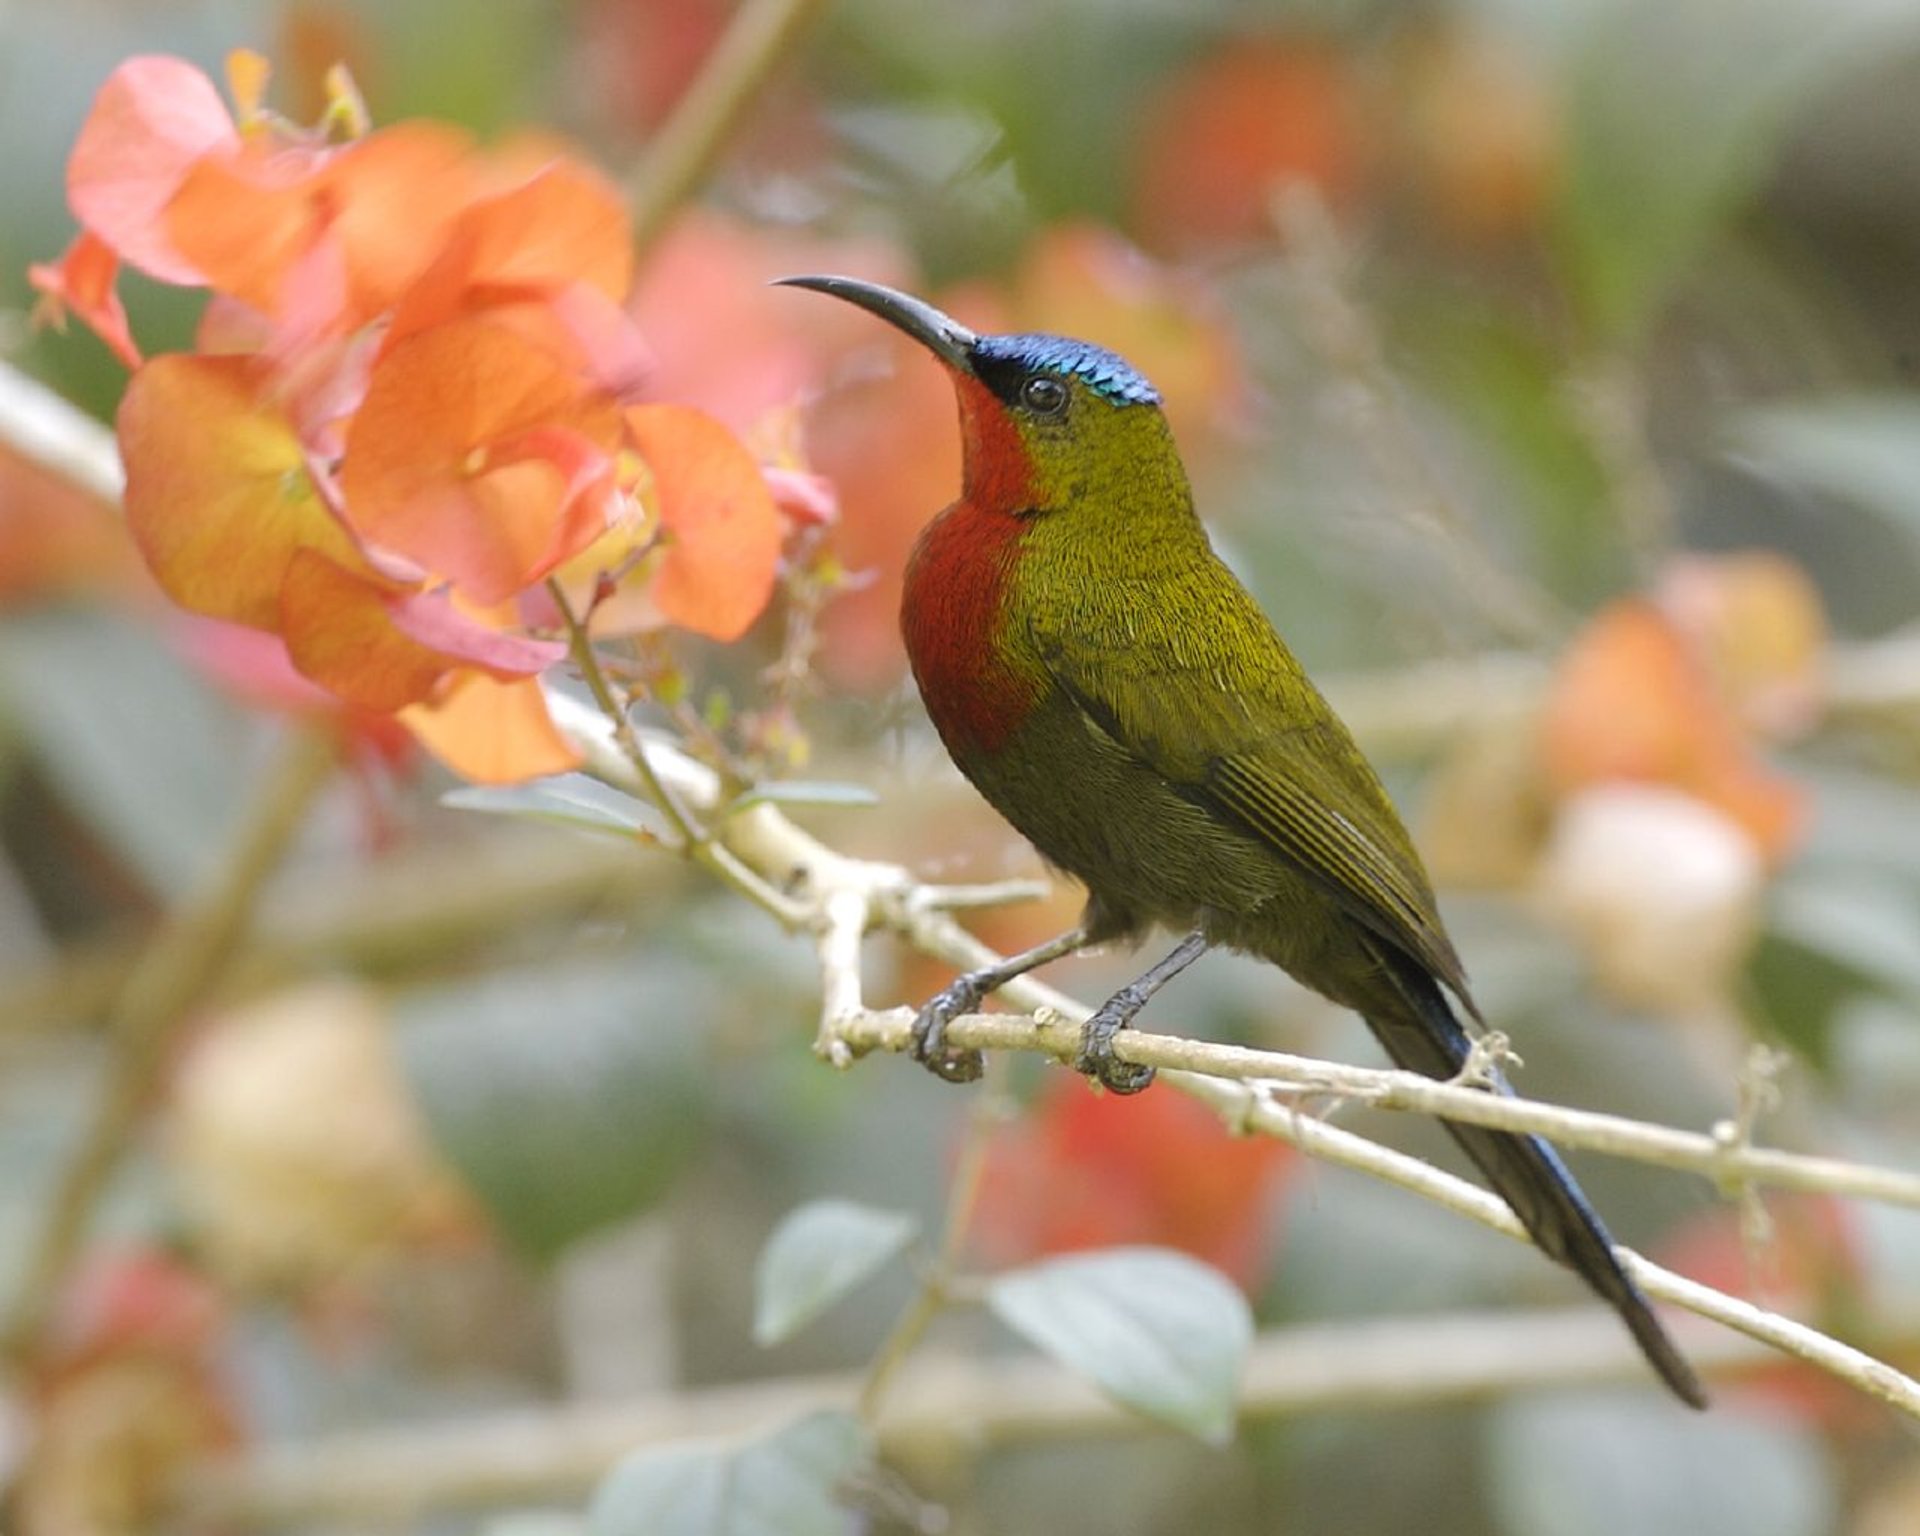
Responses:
[943,336]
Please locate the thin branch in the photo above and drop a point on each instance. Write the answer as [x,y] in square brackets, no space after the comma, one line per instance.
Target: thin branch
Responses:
[179,964]
[1728,1161]
[1610,406]
[416,902]
[688,143]
[694,840]
[838,885]
[941,1283]
[943,1406]
[1350,349]
[1240,1083]
[49,431]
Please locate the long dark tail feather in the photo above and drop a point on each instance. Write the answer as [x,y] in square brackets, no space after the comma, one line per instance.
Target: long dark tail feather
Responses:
[1527,1173]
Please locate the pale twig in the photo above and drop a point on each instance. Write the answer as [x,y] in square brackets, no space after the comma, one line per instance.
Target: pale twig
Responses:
[684,149]
[179,963]
[48,431]
[418,901]
[943,1405]
[1055,1032]
[765,839]
[1609,399]
[1343,334]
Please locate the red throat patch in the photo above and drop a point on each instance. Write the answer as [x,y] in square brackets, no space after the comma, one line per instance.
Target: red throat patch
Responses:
[952,614]
[999,471]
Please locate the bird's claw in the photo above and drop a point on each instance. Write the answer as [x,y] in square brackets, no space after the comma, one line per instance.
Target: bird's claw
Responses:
[1096,1058]
[930,1049]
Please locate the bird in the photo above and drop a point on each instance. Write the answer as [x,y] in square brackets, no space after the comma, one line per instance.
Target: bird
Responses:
[1105,681]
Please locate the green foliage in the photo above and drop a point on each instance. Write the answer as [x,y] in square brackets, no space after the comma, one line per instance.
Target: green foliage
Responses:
[567,1099]
[1162,1333]
[817,1255]
[1568,1465]
[1863,449]
[132,741]
[782,1484]
[1674,110]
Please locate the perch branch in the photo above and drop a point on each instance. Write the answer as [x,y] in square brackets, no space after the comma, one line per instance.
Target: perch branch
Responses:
[1240,1084]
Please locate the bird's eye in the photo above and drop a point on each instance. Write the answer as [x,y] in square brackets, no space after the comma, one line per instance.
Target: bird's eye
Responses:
[1044,395]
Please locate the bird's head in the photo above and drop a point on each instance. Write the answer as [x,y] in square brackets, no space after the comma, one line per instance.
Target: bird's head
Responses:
[1046,422]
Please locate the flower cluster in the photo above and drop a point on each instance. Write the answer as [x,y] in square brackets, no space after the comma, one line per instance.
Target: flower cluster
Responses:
[414,411]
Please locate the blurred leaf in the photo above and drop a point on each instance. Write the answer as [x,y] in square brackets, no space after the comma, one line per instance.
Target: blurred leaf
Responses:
[782,1484]
[804,792]
[818,1254]
[1160,1332]
[1506,385]
[536,1522]
[1674,108]
[1592,1465]
[568,1099]
[570,799]
[1864,449]
[128,737]
[1886,1238]
[1866,924]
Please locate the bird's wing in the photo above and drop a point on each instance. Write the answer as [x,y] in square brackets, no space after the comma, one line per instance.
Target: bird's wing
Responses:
[1343,841]
[1228,718]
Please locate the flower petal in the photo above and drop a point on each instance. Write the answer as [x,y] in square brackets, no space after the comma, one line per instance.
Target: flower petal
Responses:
[723,530]
[153,120]
[82,281]
[219,497]
[480,456]
[385,649]
[491,732]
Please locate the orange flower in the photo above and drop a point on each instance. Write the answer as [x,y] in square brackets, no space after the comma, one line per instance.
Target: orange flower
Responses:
[1088,1170]
[411,403]
[1635,702]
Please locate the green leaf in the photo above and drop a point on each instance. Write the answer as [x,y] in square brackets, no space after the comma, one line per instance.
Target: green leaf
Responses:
[818,1254]
[1674,110]
[568,1099]
[1862,448]
[804,792]
[1158,1331]
[1865,922]
[570,799]
[1599,1465]
[782,1484]
[129,739]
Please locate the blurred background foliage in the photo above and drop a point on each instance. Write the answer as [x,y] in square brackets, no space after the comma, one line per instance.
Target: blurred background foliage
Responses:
[1491,326]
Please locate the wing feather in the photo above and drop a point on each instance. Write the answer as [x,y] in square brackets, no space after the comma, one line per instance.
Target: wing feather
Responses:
[1227,716]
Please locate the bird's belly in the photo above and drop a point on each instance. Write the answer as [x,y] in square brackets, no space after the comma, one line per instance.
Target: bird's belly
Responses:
[1146,853]
[1150,856]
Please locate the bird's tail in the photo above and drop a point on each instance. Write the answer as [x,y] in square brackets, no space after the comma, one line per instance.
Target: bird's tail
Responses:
[1426,1037]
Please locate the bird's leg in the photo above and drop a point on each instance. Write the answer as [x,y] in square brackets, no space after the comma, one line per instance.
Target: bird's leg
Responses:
[965,995]
[1096,1057]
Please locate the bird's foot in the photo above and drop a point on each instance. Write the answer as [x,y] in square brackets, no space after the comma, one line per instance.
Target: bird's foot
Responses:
[1096,1058]
[1487,1057]
[930,1046]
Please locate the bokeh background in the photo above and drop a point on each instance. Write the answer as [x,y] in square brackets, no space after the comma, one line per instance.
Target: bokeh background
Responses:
[1547,367]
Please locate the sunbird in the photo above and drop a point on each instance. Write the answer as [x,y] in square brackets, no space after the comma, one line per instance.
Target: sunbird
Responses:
[1108,685]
